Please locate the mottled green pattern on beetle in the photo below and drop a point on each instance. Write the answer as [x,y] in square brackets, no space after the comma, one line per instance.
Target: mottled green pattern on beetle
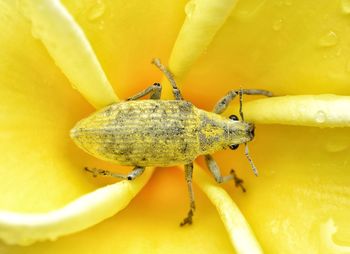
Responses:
[156,133]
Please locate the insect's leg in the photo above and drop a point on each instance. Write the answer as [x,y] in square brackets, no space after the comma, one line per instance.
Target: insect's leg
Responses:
[188,176]
[215,170]
[170,77]
[137,171]
[223,103]
[154,90]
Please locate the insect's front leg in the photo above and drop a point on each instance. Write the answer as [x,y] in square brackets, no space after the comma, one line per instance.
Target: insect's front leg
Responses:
[136,172]
[154,90]
[170,77]
[188,176]
[215,170]
[223,103]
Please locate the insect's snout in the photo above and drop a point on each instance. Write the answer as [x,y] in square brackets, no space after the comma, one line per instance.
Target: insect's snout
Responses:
[251,130]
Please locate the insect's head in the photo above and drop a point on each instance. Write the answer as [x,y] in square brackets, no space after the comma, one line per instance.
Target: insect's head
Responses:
[246,136]
[243,131]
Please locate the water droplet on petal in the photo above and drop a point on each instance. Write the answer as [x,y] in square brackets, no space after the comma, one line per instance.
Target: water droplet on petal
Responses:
[337,146]
[330,39]
[74,86]
[277,25]
[249,9]
[190,9]
[96,11]
[345,6]
[320,116]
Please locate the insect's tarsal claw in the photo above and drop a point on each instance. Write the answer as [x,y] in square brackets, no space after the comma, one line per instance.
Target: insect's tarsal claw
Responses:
[238,181]
[188,219]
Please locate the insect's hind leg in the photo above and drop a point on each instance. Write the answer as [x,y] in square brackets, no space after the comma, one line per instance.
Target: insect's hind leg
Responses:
[188,176]
[170,77]
[215,170]
[223,103]
[154,90]
[136,172]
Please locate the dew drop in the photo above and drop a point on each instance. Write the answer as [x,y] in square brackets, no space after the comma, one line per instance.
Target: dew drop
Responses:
[74,86]
[345,6]
[96,11]
[320,116]
[336,146]
[190,9]
[330,39]
[248,10]
[277,25]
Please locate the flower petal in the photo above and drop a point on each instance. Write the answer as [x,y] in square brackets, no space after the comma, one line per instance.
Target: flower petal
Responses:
[82,213]
[324,110]
[203,19]
[68,46]
[327,231]
[240,233]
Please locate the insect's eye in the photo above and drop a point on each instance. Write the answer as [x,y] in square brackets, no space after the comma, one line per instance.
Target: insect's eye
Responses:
[234,117]
[233,147]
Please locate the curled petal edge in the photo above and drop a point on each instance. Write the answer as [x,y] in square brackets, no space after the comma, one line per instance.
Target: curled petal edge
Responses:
[68,46]
[82,213]
[238,229]
[325,110]
[203,20]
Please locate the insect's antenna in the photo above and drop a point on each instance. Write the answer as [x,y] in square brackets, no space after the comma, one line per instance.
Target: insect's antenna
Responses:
[246,152]
[240,104]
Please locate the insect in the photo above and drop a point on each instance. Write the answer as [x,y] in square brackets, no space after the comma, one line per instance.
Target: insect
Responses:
[164,133]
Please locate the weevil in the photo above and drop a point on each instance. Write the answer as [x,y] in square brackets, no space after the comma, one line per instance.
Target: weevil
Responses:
[164,133]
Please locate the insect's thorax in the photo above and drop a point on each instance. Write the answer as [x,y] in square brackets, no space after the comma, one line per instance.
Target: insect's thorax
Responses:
[217,133]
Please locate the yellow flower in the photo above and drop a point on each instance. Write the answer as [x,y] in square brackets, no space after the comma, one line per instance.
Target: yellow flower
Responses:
[298,204]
